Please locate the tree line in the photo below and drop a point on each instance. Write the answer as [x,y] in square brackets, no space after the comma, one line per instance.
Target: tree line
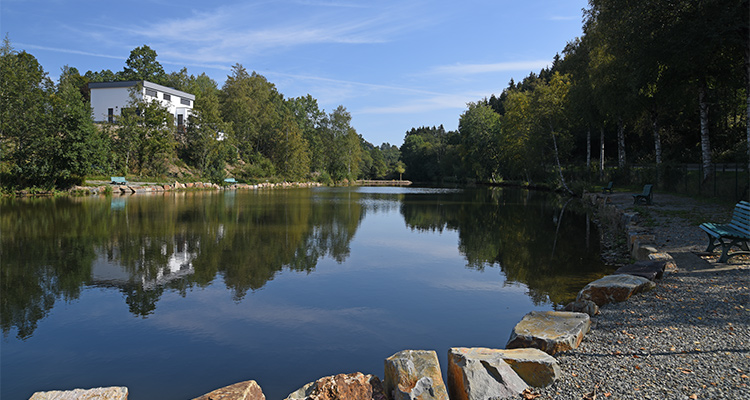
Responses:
[245,129]
[652,81]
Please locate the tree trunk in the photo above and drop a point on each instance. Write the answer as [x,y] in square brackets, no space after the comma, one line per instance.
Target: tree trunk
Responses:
[620,143]
[601,153]
[588,149]
[557,159]
[657,137]
[705,142]
[657,145]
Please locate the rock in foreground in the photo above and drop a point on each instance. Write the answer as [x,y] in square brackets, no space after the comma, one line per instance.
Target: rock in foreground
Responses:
[534,366]
[614,289]
[247,390]
[550,331]
[480,373]
[102,393]
[355,386]
[414,374]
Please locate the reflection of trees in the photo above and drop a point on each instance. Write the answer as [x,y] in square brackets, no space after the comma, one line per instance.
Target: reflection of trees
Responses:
[48,246]
[518,231]
[42,258]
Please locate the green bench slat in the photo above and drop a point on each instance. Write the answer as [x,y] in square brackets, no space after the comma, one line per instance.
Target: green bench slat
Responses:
[737,231]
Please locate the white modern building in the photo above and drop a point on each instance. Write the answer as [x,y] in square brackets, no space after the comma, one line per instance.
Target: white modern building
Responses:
[109,98]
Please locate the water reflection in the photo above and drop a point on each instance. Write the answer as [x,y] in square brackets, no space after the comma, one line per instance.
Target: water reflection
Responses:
[538,239]
[51,248]
[143,245]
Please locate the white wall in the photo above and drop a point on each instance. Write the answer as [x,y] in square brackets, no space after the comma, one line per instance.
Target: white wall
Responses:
[118,97]
[105,98]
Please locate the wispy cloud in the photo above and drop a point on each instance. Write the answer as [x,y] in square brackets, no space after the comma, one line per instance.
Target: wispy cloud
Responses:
[470,69]
[62,50]
[440,102]
[227,34]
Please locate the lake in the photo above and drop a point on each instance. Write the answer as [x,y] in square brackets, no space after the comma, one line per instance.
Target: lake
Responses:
[179,293]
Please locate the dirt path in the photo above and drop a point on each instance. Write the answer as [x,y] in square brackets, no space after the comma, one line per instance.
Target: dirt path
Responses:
[674,221]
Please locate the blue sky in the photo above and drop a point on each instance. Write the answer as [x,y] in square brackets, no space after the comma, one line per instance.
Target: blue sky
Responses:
[393,64]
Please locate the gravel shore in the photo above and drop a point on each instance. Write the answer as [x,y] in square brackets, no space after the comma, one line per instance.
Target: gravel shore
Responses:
[687,339]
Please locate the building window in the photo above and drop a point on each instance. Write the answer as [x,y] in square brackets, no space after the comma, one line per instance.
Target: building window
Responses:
[111,115]
[167,97]
[151,92]
[185,102]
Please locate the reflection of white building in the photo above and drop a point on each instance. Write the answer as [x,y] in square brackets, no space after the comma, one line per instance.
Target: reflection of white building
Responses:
[111,273]
[109,98]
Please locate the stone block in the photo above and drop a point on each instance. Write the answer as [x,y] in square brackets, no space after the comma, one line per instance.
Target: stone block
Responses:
[355,386]
[101,393]
[481,373]
[414,374]
[647,269]
[614,288]
[583,306]
[534,366]
[642,247]
[670,265]
[247,390]
[550,331]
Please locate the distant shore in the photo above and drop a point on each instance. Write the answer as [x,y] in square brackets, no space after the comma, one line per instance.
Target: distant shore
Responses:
[95,187]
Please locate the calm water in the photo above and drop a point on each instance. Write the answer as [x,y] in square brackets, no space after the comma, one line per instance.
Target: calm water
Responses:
[177,294]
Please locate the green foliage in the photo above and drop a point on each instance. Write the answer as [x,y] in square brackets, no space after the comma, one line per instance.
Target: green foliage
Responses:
[142,65]
[256,168]
[145,137]
[479,127]
[47,136]
[343,150]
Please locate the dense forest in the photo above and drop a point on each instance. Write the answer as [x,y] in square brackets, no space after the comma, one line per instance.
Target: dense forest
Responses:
[246,129]
[649,82]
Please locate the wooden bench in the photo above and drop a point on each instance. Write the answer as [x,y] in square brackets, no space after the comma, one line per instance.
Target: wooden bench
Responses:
[119,180]
[607,188]
[230,180]
[735,233]
[647,196]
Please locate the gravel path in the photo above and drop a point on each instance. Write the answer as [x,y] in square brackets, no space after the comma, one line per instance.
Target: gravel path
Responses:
[687,339]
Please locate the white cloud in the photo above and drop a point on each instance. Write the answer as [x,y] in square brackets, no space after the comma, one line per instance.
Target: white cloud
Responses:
[438,102]
[61,50]
[470,69]
[227,34]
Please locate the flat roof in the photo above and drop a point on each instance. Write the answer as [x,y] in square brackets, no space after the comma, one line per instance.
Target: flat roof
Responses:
[146,84]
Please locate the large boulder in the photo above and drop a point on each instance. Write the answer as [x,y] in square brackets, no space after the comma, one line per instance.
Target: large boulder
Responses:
[614,288]
[550,331]
[355,386]
[414,374]
[101,393]
[534,366]
[480,373]
[247,390]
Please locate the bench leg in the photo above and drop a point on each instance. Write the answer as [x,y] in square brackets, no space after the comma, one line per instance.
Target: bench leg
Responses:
[728,245]
[712,243]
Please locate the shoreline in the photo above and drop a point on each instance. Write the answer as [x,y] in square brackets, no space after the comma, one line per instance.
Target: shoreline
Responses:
[689,338]
[104,187]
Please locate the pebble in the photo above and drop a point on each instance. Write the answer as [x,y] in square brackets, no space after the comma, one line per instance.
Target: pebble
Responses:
[689,336]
